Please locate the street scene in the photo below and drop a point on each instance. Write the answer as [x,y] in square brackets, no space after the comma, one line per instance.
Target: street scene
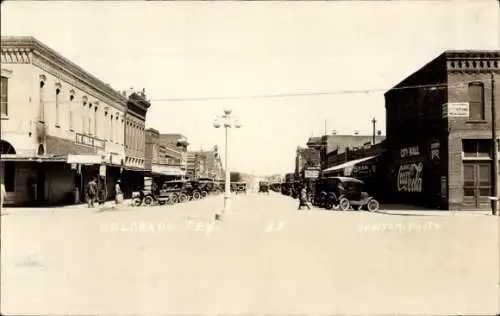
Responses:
[237,158]
[265,258]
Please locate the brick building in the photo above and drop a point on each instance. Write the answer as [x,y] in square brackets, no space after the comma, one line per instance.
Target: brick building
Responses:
[135,141]
[439,132]
[205,164]
[331,145]
[164,161]
[59,124]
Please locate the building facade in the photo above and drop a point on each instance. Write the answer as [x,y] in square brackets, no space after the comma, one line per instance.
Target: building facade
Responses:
[135,141]
[59,124]
[205,164]
[439,131]
[164,162]
[340,143]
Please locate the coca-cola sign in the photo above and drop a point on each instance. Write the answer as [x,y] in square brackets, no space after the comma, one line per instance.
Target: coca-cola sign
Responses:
[410,177]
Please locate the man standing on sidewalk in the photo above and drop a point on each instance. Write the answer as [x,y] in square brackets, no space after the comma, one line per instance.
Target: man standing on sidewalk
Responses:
[91,192]
[118,193]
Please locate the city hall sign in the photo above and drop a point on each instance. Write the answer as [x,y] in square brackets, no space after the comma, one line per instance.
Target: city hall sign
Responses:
[410,177]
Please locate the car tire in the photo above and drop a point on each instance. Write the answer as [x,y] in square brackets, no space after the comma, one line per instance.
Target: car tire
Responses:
[373,205]
[173,199]
[148,201]
[136,202]
[182,198]
[196,195]
[344,204]
[204,194]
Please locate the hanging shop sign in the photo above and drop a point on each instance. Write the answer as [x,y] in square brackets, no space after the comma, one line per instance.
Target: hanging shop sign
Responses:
[456,109]
[410,177]
[102,170]
[311,173]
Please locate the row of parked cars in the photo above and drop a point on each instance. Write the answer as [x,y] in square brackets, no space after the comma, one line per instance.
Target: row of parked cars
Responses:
[180,191]
[335,193]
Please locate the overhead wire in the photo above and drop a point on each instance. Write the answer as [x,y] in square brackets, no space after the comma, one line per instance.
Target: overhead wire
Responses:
[428,87]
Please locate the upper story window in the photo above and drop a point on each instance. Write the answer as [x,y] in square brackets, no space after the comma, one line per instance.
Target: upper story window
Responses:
[476,101]
[477,148]
[4,97]
[58,92]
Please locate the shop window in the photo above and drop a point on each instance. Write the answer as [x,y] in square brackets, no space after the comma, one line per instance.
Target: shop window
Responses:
[476,148]
[476,101]
[3,97]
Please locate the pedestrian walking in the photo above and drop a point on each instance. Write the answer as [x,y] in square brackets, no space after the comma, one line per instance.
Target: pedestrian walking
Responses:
[118,192]
[91,192]
[303,198]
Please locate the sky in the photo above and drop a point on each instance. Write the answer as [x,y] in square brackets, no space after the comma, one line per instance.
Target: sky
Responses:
[201,50]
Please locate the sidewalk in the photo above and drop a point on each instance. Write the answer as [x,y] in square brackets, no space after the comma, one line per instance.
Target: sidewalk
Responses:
[83,206]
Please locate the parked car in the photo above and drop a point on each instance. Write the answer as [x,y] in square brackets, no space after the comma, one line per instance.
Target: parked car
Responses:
[354,195]
[343,193]
[176,190]
[264,187]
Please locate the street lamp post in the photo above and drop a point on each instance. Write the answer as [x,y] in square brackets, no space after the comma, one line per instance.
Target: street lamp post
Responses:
[228,122]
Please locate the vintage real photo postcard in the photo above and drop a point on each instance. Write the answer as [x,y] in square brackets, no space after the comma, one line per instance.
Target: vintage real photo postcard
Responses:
[251,158]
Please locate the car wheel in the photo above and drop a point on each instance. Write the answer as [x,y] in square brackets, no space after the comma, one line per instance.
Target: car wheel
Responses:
[183,198]
[204,194]
[173,199]
[344,204]
[196,195]
[148,200]
[136,202]
[373,205]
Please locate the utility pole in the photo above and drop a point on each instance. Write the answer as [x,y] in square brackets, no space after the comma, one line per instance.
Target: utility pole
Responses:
[325,128]
[374,121]
[494,202]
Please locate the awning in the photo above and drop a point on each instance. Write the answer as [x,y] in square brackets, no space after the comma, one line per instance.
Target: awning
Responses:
[167,170]
[28,158]
[348,164]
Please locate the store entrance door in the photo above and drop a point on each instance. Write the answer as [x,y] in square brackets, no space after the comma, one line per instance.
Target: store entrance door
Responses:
[477,185]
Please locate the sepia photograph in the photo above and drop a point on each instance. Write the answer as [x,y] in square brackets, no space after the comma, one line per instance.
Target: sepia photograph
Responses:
[250,158]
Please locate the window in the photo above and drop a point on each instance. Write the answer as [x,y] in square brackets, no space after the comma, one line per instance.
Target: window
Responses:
[42,98]
[71,97]
[111,130]
[476,101]
[84,113]
[476,148]
[58,91]
[3,97]
[96,117]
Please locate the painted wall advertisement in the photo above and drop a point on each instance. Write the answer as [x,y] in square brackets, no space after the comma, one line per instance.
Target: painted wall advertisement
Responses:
[410,174]
[410,177]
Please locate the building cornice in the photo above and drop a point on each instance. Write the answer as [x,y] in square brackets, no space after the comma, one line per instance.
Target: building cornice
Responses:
[31,50]
[16,55]
[473,61]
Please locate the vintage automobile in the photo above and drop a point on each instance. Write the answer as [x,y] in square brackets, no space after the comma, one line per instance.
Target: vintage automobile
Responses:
[276,187]
[264,187]
[343,193]
[175,191]
[353,195]
[207,187]
[241,188]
